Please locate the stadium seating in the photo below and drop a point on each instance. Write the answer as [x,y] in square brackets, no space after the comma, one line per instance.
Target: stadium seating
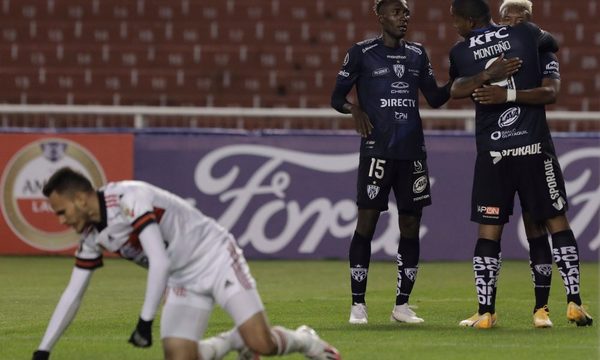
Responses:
[260,53]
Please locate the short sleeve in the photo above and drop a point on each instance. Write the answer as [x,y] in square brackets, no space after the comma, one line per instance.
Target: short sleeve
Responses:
[89,254]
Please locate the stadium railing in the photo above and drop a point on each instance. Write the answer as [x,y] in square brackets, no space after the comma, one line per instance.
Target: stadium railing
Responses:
[140,117]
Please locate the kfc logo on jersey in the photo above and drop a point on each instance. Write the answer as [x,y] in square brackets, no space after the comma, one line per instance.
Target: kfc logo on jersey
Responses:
[509,117]
[487,37]
[25,208]
[399,70]
[344,73]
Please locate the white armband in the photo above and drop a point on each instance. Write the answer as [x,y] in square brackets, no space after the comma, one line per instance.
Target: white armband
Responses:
[511,95]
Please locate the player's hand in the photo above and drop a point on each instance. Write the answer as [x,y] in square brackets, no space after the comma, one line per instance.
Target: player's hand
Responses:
[502,68]
[142,335]
[361,121]
[41,355]
[490,94]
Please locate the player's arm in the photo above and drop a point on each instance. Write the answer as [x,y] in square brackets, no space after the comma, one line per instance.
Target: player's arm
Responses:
[435,95]
[65,311]
[345,80]
[158,271]
[545,94]
[500,69]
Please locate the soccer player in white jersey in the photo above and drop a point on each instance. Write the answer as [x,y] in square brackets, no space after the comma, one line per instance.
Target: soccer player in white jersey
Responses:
[190,258]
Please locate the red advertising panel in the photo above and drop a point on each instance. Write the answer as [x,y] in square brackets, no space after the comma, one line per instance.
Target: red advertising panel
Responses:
[27,223]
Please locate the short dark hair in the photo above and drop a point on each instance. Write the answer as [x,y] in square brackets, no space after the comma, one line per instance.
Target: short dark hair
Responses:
[472,9]
[379,3]
[67,180]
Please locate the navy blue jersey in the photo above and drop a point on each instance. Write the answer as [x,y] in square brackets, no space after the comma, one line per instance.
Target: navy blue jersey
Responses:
[549,65]
[387,82]
[508,125]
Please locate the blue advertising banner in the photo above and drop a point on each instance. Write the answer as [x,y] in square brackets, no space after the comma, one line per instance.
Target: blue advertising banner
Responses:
[292,195]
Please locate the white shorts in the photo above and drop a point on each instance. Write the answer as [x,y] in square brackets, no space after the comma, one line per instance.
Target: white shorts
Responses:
[230,284]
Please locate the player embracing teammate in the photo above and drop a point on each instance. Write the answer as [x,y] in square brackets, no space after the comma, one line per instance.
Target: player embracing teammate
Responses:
[499,67]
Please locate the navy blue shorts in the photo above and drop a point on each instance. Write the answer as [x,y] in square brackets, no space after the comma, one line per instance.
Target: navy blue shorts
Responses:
[408,178]
[537,179]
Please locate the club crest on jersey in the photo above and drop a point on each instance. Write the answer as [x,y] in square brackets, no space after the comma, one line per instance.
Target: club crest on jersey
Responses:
[372,191]
[359,273]
[544,269]
[411,273]
[399,70]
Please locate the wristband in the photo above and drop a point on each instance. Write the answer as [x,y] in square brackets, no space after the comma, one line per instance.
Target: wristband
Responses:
[511,95]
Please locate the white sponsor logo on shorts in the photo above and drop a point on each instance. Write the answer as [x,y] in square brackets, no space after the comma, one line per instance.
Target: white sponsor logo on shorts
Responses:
[420,185]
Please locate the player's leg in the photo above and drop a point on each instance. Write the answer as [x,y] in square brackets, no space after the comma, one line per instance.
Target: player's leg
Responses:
[412,191]
[373,187]
[566,256]
[260,338]
[491,205]
[548,189]
[359,257]
[540,263]
[236,293]
[183,321]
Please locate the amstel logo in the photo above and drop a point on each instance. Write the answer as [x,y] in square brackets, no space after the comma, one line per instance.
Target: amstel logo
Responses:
[24,206]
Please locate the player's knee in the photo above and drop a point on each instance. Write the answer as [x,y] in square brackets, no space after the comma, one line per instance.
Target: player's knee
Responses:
[409,225]
[180,349]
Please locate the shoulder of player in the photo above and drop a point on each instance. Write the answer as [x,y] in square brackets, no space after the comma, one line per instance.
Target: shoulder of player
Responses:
[415,47]
[366,45]
[125,189]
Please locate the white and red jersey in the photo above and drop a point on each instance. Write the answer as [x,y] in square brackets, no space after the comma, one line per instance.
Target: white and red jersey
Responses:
[193,240]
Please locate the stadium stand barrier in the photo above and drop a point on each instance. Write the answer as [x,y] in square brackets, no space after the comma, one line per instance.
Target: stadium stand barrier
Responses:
[104,116]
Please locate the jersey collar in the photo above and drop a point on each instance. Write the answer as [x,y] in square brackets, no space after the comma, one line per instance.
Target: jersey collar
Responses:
[102,204]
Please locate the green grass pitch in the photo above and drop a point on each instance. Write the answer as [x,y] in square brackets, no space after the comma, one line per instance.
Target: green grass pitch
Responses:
[305,292]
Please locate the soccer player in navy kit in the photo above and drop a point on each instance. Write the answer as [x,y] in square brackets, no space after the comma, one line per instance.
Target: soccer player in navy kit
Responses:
[513,12]
[515,152]
[388,71]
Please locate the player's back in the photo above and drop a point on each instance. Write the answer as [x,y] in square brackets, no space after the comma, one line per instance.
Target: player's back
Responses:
[192,238]
[505,125]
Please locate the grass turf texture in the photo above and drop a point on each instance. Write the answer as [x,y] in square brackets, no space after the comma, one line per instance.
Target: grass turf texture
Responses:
[305,292]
